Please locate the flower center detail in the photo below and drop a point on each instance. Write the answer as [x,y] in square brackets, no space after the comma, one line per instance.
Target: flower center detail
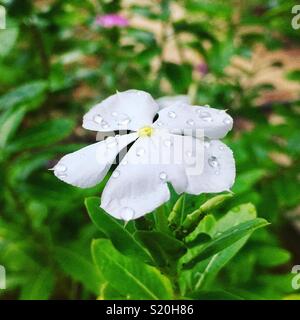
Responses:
[145,131]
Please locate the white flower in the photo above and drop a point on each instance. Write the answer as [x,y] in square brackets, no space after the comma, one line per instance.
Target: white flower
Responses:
[138,185]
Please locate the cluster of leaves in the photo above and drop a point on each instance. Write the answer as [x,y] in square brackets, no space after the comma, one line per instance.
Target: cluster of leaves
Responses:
[54,64]
[171,256]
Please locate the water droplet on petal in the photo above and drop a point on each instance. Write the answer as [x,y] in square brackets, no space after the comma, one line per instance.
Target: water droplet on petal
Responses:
[217,172]
[104,124]
[189,154]
[190,122]
[205,116]
[127,213]
[114,114]
[221,148]
[172,114]
[116,174]
[168,143]
[124,162]
[111,142]
[227,121]
[159,123]
[213,162]
[140,152]
[98,118]
[124,120]
[163,176]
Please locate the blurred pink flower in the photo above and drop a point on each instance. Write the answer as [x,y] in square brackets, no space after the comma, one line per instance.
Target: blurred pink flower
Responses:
[111,20]
[202,68]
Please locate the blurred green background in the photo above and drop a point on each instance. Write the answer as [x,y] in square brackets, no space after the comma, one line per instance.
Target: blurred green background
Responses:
[57,60]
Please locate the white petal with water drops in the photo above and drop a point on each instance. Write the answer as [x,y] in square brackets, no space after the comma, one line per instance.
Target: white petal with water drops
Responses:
[139,107]
[214,124]
[88,166]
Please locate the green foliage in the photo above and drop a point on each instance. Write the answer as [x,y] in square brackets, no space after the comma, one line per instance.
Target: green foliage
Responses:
[55,63]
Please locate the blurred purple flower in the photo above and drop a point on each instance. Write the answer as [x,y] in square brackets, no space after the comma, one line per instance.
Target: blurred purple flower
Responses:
[202,68]
[111,20]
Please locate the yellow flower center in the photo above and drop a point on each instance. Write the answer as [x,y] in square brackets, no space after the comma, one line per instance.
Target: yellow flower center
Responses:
[145,131]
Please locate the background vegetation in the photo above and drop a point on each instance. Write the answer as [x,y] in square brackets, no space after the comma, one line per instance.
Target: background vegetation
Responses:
[56,62]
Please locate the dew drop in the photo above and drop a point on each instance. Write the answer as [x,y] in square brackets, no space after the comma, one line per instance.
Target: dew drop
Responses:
[163,176]
[98,118]
[221,148]
[124,120]
[213,162]
[124,162]
[189,154]
[205,116]
[227,121]
[217,172]
[114,114]
[140,152]
[116,174]
[159,123]
[104,124]
[190,122]
[111,142]
[172,114]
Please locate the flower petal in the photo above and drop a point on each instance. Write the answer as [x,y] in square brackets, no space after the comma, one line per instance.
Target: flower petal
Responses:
[88,166]
[139,184]
[218,172]
[128,110]
[169,101]
[176,118]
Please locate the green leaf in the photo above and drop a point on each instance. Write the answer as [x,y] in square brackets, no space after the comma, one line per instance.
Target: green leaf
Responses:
[180,76]
[42,134]
[223,241]
[79,268]
[163,248]
[130,276]
[272,256]
[8,38]
[40,286]
[246,180]
[203,274]
[9,123]
[120,237]
[206,226]
[29,95]
[215,295]
[293,75]
[198,29]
